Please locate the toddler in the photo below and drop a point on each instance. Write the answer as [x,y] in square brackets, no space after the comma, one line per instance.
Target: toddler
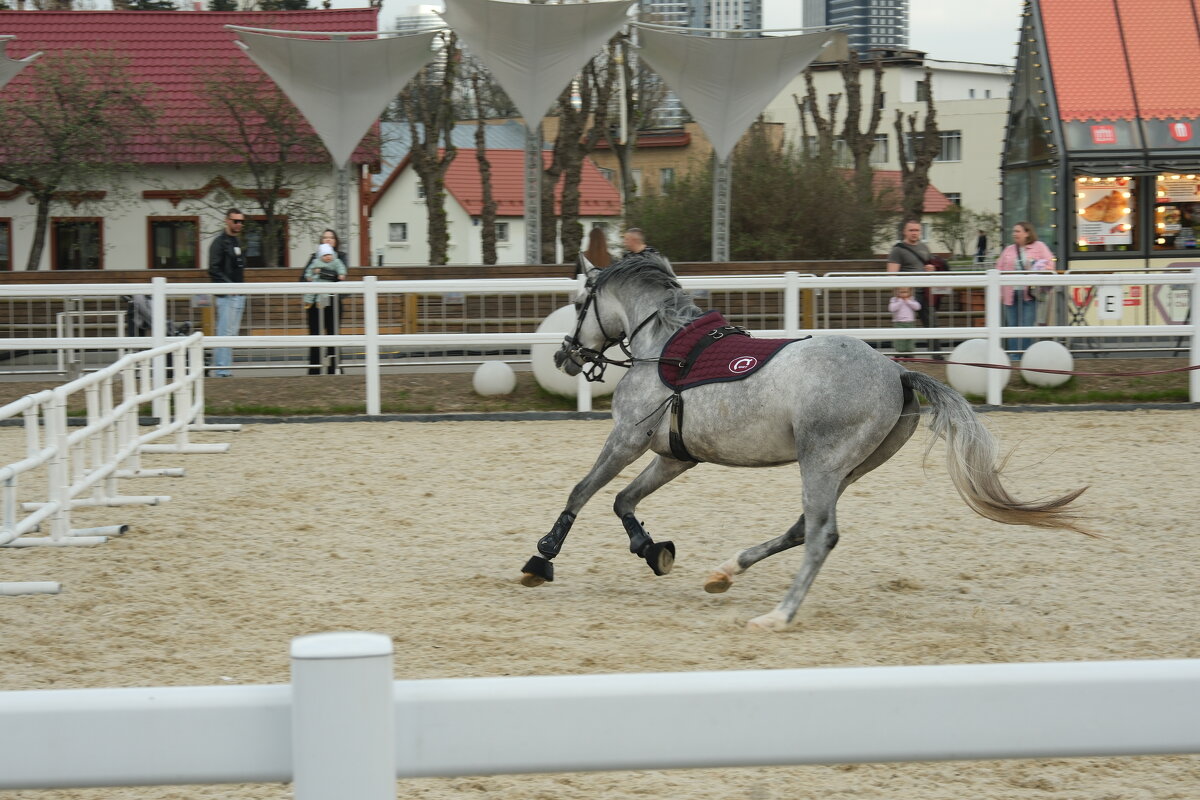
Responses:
[904,308]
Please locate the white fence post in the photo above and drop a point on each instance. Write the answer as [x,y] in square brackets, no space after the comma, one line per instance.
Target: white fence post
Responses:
[1194,355]
[371,331]
[343,717]
[791,305]
[158,337]
[992,319]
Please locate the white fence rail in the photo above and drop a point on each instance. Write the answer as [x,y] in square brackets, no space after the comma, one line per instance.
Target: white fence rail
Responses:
[343,728]
[82,466]
[790,284]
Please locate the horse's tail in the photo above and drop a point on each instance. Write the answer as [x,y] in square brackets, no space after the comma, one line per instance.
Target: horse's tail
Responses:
[974,467]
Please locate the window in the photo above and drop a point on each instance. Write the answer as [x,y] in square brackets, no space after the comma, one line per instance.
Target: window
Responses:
[174,242]
[666,177]
[882,98]
[254,243]
[637,182]
[879,153]
[954,197]
[397,232]
[922,91]
[76,243]
[609,174]
[951,146]
[501,231]
[6,254]
[1105,217]
[971,93]
[420,189]
[1176,212]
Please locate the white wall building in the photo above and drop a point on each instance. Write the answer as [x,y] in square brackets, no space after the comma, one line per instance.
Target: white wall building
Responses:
[971,102]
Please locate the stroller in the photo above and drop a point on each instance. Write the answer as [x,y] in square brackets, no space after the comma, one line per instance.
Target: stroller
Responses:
[139,318]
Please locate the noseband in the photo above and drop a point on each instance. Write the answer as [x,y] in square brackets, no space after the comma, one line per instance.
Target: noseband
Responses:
[593,363]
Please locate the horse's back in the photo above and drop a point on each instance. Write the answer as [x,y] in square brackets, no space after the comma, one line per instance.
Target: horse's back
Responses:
[828,392]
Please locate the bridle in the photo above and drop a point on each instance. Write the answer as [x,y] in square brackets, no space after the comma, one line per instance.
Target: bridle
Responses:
[593,363]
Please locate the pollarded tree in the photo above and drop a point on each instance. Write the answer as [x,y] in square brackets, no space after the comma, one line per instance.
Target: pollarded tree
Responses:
[69,129]
[916,152]
[271,153]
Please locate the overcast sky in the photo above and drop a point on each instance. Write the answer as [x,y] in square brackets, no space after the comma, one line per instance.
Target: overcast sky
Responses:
[950,30]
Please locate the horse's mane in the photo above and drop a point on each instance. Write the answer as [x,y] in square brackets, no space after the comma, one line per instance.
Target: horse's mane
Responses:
[652,274]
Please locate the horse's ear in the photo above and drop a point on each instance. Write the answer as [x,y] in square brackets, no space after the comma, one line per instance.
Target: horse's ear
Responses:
[583,266]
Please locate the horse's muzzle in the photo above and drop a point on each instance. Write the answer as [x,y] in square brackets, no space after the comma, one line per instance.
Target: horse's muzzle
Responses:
[566,361]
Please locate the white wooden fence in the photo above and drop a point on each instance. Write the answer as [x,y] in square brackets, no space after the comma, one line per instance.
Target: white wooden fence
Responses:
[344,729]
[371,342]
[82,466]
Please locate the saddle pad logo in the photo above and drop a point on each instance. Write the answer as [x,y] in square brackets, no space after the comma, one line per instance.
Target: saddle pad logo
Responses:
[742,364]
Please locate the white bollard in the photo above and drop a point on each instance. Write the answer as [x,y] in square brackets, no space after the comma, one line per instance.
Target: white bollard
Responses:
[343,717]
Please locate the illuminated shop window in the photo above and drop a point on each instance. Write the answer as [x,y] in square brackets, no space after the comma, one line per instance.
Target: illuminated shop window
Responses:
[1176,211]
[1105,214]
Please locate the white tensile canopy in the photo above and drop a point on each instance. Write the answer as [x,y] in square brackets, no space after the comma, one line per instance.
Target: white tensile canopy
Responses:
[341,86]
[534,50]
[9,68]
[726,83]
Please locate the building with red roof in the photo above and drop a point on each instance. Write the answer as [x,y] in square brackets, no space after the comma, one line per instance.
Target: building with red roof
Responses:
[1103,141]
[399,223]
[173,212]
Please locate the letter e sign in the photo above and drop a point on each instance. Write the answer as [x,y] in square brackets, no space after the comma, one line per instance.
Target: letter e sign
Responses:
[1108,302]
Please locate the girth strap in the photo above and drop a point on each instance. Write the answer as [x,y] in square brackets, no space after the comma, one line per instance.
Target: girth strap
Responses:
[675,437]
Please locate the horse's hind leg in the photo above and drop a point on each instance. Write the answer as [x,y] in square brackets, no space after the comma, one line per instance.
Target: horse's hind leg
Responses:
[661,471]
[720,579]
[621,449]
[820,507]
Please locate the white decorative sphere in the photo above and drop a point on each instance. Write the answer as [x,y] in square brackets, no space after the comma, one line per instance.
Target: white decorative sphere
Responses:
[974,380]
[554,380]
[1046,355]
[494,377]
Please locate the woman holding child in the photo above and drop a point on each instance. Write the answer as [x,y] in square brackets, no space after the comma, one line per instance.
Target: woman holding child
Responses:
[326,265]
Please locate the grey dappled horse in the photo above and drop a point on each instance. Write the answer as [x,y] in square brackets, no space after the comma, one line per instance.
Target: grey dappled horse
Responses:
[831,403]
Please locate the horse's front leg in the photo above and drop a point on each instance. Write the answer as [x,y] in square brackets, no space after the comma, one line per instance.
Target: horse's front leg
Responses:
[661,471]
[620,450]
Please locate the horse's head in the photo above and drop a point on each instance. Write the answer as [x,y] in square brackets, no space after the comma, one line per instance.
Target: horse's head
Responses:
[595,330]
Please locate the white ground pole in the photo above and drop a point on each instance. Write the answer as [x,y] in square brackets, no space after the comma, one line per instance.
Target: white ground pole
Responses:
[352,730]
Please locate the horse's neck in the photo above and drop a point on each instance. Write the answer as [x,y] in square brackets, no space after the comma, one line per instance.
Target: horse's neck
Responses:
[650,338]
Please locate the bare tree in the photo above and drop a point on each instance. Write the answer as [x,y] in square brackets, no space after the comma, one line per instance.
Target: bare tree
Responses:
[427,104]
[69,130]
[925,147]
[643,92]
[487,214]
[266,138]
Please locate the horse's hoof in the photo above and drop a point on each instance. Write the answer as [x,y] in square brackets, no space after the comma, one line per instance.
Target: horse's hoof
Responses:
[772,622]
[661,557]
[537,570]
[717,582]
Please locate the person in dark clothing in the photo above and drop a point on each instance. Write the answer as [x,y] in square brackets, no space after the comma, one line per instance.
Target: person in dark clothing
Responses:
[324,311]
[910,254]
[981,248]
[634,240]
[227,264]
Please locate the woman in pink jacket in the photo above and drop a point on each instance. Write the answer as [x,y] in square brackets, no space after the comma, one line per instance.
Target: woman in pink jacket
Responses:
[1026,253]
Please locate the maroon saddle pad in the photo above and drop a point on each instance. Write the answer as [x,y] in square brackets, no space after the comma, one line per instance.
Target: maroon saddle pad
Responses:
[709,350]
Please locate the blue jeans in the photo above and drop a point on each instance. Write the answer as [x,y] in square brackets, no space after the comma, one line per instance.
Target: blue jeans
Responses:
[229,322]
[1021,314]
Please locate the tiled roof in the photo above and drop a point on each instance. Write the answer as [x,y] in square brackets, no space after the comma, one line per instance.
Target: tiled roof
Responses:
[885,179]
[396,141]
[598,197]
[1111,59]
[172,51]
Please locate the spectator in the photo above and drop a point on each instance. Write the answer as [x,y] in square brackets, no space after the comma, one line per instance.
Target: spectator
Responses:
[903,307]
[227,264]
[1020,307]
[323,311]
[597,249]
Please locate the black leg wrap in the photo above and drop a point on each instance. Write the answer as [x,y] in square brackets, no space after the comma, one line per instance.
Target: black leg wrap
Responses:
[552,542]
[539,568]
[639,540]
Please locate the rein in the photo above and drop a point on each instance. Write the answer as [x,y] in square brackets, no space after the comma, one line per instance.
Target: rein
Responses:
[594,362]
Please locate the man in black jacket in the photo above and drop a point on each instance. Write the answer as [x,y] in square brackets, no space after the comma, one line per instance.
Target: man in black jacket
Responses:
[227,264]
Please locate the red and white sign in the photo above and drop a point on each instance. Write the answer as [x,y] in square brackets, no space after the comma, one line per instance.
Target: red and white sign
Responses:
[1104,134]
[1181,131]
